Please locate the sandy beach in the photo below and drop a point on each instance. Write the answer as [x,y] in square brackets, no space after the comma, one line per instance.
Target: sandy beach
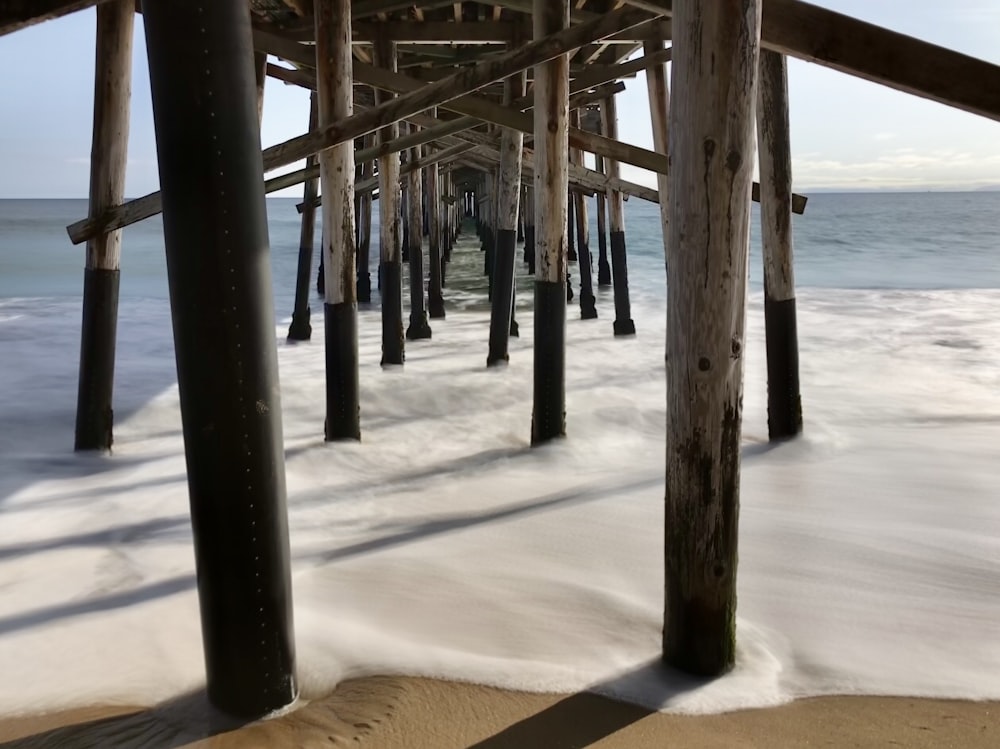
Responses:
[398,712]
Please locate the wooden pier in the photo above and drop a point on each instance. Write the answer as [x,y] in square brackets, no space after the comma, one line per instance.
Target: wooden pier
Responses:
[445,111]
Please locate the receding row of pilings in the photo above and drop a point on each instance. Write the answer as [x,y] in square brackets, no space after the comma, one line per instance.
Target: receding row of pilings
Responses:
[204,80]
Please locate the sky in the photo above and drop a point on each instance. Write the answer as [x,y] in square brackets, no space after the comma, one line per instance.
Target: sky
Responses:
[847,134]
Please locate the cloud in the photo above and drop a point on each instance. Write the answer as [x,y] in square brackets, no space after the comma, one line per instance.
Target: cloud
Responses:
[883,136]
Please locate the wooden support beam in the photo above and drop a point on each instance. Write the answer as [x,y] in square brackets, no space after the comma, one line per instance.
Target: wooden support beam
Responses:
[407,32]
[509,192]
[659,105]
[784,400]
[390,237]
[419,328]
[623,324]
[300,328]
[711,150]
[876,54]
[108,155]
[334,81]
[588,302]
[550,126]
[435,293]
[489,111]
[20,14]
[368,8]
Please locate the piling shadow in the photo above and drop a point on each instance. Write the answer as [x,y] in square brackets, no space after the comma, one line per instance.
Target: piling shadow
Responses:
[170,725]
[585,718]
[424,529]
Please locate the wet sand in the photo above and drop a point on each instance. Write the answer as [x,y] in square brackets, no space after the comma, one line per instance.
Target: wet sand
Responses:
[411,713]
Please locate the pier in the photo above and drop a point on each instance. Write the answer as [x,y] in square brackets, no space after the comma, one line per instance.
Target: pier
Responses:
[449,115]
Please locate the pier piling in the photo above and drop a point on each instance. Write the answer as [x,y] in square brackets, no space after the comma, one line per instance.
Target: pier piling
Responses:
[101,278]
[784,400]
[300,328]
[712,153]
[218,269]
[509,192]
[334,87]
[551,116]
[623,324]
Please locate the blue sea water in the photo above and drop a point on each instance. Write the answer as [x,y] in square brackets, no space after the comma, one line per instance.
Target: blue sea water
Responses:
[851,241]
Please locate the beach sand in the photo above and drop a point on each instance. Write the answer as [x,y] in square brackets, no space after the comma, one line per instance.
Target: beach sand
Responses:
[398,712]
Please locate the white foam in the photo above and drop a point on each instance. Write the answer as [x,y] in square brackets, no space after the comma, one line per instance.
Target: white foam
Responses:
[443,545]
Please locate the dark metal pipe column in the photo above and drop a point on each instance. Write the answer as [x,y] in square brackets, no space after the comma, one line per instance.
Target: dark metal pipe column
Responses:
[218,266]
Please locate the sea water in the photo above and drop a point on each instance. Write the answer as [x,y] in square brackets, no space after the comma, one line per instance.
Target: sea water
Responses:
[443,545]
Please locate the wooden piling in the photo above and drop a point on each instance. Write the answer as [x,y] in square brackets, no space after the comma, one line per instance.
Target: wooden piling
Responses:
[570,227]
[418,328]
[623,324]
[435,295]
[712,148]
[529,230]
[336,102]
[603,267]
[218,269]
[551,117]
[659,107]
[588,303]
[390,248]
[509,192]
[784,400]
[364,221]
[300,328]
[108,153]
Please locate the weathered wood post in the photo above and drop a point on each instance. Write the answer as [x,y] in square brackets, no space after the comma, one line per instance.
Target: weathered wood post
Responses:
[551,116]
[218,269]
[108,153]
[300,328]
[418,328]
[659,106]
[488,218]
[603,267]
[529,229]
[588,303]
[784,400]
[260,80]
[334,88]
[390,252]
[364,284]
[570,226]
[623,324]
[502,307]
[435,296]
[711,157]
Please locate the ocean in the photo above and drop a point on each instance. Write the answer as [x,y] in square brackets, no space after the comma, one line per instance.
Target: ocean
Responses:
[443,545]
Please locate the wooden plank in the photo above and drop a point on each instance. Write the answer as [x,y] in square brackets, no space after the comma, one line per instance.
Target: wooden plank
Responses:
[873,53]
[711,150]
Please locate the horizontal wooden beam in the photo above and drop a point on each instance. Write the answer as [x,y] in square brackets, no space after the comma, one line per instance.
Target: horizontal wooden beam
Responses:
[20,14]
[409,32]
[489,111]
[133,211]
[371,183]
[368,8]
[875,54]
[416,99]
